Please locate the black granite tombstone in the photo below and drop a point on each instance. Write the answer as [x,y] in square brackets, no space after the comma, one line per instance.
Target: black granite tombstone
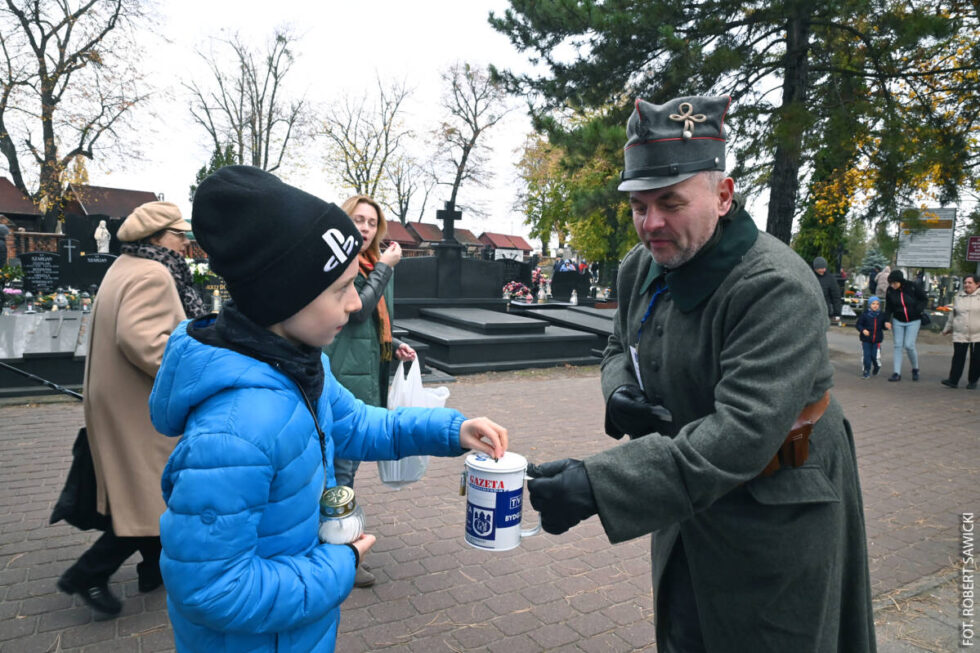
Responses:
[42,271]
[564,282]
[92,270]
[71,259]
[207,289]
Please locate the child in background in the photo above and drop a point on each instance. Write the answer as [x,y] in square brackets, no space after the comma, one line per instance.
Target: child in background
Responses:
[261,418]
[871,327]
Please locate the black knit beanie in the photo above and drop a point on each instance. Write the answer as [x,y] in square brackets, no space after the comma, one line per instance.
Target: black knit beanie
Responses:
[277,247]
[896,275]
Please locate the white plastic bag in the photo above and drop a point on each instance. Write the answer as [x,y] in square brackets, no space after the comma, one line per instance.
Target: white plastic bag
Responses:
[406,391]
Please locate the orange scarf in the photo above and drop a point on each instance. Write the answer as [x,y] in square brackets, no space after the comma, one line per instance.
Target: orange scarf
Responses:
[366,261]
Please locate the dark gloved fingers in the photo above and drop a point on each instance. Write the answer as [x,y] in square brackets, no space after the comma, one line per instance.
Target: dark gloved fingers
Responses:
[548,469]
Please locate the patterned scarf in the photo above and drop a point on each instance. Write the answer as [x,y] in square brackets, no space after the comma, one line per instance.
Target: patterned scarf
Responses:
[366,261]
[193,304]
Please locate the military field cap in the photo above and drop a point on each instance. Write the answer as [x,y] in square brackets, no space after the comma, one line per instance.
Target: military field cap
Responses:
[668,143]
[149,218]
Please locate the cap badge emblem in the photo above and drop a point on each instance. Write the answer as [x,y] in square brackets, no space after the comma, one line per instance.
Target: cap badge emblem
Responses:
[688,117]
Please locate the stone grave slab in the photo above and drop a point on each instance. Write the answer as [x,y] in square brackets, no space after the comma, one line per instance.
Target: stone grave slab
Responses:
[459,350]
[605,313]
[55,334]
[577,320]
[590,320]
[50,345]
[485,321]
[14,333]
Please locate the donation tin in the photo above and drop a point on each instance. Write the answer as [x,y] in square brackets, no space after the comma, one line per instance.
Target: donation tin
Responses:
[494,497]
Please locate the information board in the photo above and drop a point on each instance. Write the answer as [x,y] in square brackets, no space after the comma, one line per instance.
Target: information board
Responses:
[973,249]
[931,245]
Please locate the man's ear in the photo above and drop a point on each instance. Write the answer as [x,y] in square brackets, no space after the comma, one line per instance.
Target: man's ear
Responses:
[726,193]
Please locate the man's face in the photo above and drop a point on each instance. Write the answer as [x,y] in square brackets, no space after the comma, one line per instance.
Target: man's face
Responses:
[319,322]
[820,271]
[674,222]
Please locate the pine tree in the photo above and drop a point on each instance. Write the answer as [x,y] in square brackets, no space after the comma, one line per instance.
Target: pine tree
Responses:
[886,88]
[873,260]
[219,159]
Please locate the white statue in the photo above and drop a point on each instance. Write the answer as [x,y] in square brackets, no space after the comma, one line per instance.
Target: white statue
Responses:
[102,238]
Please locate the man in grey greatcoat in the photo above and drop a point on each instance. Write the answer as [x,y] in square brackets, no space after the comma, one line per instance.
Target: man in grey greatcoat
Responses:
[756,517]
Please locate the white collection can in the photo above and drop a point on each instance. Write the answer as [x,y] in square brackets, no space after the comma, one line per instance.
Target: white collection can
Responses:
[494,497]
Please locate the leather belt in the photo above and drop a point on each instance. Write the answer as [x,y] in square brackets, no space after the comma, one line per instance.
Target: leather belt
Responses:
[796,448]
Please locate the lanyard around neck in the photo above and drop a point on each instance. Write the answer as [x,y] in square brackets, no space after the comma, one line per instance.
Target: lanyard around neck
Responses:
[653,301]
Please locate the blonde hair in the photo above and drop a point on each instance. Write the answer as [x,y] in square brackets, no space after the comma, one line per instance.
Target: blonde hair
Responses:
[348,207]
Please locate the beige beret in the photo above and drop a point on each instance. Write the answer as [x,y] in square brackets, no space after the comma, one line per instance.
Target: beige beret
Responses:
[150,218]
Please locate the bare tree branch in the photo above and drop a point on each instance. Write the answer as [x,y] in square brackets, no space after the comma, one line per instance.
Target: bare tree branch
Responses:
[245,106]
[363,137]
[69,75]
[474,103]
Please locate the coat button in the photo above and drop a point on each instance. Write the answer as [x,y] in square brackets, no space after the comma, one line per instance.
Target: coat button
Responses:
[655,366]
[209,516]
[660,329]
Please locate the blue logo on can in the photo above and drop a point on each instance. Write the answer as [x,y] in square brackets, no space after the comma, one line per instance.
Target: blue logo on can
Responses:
[479,522]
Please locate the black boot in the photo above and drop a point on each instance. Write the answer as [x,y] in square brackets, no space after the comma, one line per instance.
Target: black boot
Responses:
[948,383]
[96,596]
[149,577]
[915,374]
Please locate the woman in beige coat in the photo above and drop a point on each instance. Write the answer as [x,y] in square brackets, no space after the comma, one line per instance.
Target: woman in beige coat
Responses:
[964,323]
[146,292]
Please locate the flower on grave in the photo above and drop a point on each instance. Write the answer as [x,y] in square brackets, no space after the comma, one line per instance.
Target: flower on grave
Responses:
[201,272]
[13,296]
[517,289]
[10,273]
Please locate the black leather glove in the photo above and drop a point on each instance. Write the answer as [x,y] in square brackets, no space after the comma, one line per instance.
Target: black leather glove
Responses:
[561,492]
[628,411]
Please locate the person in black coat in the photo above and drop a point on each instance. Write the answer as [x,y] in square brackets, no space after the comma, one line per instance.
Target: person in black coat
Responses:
[829,288]
[904,303]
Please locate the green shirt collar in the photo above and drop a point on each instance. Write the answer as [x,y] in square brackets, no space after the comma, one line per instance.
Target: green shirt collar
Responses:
[695,281]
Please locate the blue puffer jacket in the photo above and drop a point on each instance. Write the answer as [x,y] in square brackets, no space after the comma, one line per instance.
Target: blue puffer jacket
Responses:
[243,567]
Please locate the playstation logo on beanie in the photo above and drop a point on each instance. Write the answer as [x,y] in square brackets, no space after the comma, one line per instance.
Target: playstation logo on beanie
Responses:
[277,247]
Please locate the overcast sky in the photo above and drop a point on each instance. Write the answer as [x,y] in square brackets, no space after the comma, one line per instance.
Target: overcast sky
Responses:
[341,48]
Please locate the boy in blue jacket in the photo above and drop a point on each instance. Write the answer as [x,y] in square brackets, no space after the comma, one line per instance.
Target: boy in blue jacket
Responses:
[262,419]
[871,328]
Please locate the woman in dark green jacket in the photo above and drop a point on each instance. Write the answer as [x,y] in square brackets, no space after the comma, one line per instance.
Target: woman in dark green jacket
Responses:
[361,353]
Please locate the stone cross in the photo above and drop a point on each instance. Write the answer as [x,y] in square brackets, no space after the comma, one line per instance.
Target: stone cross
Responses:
[448,216]
[69,245]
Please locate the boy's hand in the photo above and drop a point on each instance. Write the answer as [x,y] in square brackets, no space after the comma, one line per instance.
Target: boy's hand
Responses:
[866,332]
[363,544]
[888,325]
[482,434]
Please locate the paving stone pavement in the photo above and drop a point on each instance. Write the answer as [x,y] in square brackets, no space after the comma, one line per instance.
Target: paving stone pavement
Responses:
[916,442]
